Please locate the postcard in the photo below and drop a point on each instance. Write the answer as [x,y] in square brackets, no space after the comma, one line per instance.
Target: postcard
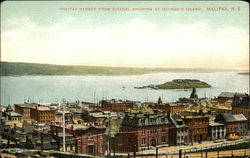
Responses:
[125,78]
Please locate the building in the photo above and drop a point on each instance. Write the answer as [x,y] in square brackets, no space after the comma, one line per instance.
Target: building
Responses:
[175,108]
[42,114]
[101,118]
[237,124]
[225,96]
[198,128]
[11,115]
[142,131]
[216,130]
[88,139]
[178,131]
[194,95]
[241,105]
[116,105]
[24,109]
[68,116]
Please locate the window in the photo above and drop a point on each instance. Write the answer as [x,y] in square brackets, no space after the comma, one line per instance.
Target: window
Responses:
[143,121]
[162,119]
[90,137]
[163,130]
[153,131]
[143,141]
[163,139]
[152,120]
[143,131]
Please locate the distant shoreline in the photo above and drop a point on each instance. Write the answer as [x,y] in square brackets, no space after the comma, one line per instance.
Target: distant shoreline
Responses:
[244,73]
[32,69]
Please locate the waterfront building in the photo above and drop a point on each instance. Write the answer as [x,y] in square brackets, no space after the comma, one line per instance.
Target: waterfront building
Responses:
[24,109]
[225,96]
[178,131]
[198,128]
[175,108]
[42,114]
[11,115]
[116,105]
[142,131]
[216,130]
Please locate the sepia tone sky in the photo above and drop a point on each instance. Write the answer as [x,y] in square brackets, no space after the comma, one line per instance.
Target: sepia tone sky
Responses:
[41,32]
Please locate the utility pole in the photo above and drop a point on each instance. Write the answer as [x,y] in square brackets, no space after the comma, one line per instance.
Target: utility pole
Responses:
[180,153]
[63,123]
[156,152]
[109,133]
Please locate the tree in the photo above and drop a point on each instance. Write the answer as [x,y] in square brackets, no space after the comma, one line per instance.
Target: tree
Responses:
[86,117]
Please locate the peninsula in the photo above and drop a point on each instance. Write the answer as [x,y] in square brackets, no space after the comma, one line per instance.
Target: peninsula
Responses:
[179,84]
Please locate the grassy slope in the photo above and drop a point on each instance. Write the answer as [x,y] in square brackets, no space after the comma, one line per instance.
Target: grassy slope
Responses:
[17,69]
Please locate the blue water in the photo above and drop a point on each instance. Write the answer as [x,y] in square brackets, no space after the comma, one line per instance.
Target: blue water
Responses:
[94,88]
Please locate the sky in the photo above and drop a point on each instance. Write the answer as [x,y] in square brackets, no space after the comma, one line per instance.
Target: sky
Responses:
[164,35]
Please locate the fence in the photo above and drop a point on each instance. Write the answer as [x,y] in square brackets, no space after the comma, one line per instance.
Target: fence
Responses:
[201,152]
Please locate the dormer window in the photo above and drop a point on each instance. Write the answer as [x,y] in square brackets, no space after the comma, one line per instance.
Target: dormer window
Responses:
[143,121]
[152,120]
[162,119]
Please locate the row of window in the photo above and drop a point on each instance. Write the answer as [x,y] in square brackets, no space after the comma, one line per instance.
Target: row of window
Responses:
[152,120]
[218,128]
[153,140]
[181,138]
[163,130]
[181,130]
[198,130]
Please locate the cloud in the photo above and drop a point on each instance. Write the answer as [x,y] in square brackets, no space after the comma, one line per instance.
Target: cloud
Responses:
[136,43]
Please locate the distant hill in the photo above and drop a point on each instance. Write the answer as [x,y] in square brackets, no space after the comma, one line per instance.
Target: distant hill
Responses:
[22,69]
[244,73]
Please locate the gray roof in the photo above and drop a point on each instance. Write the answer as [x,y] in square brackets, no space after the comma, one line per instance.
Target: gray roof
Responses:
[234,118]
[12,114]
[177,121]
[240,117]
[227,94]
[212,123]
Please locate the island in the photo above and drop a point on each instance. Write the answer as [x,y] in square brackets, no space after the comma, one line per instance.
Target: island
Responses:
[179,84]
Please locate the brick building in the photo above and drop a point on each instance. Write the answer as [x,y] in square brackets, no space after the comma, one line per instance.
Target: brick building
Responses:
[24,109]
[42,114]
[116,105]
[144,131]
[237,124]
[225,96]
[241,105]
[175,108]
[198,128]
[88,139]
